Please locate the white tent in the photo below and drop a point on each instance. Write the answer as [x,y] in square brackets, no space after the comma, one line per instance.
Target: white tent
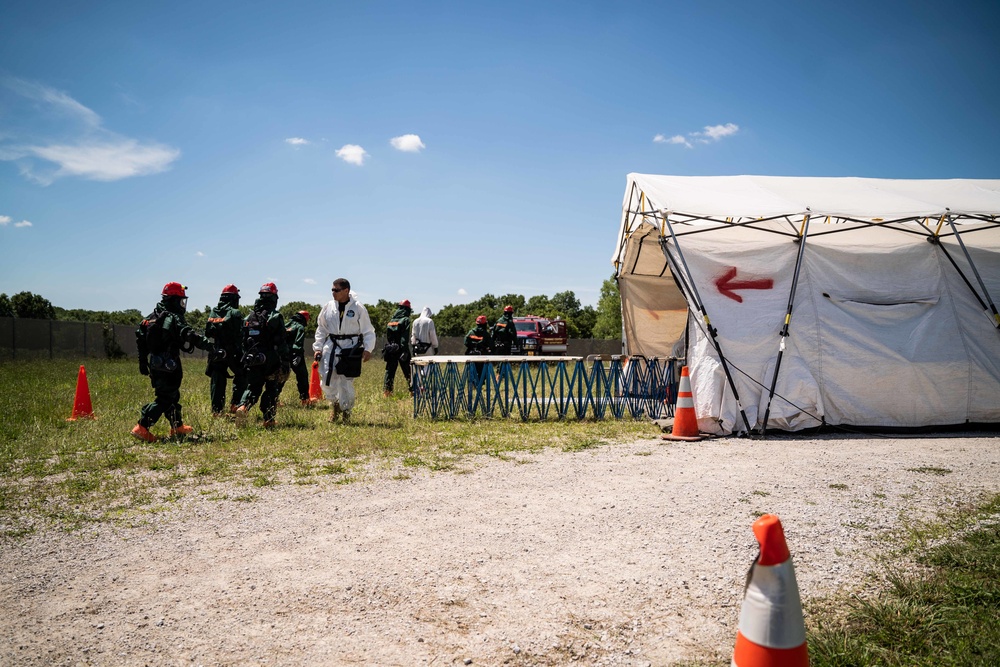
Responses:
[874,299]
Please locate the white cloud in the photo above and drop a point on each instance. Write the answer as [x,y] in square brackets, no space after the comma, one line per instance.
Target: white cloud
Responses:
[352,154]
[23,223]
[408,143]
[75,144]
[54,100]
[709,134]
[716,132]
[309,281]
[462,292]
[297,141]
[676,139]
[199,254]
[104,160]
[4,220]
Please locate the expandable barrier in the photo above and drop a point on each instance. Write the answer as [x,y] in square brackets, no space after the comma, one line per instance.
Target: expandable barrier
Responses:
[529,387]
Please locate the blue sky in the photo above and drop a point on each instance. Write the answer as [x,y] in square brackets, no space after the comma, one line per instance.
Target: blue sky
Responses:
[438,151]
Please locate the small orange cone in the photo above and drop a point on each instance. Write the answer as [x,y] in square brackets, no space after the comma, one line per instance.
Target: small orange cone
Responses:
[82,409]
[315,393]
[772,632]
[685,421]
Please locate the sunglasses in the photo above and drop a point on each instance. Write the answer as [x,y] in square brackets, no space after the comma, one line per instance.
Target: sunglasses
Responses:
[338,289]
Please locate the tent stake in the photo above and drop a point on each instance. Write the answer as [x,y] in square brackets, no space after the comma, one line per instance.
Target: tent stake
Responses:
[788,318]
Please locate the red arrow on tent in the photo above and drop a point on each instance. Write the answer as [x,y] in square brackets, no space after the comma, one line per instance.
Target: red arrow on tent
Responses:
[727,285]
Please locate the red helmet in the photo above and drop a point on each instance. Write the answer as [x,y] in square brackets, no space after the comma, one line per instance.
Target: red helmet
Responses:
[173,289]
[508,309]
[268,288]
[305,314]
[405,303]
[231,289]
[481,319]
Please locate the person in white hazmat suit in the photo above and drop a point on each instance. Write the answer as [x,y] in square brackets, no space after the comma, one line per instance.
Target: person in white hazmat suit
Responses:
[342,324]
[423,335]
[424,341]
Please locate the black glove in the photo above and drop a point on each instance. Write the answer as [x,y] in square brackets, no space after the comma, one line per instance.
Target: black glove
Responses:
[219,354]
[317,356]
[297,361]
[143,366]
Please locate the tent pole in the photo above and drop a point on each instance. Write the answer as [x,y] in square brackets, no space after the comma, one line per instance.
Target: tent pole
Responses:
[975,271]
[803,232]
[701,308]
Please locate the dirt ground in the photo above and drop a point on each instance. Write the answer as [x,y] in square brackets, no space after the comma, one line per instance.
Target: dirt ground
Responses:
[626,554]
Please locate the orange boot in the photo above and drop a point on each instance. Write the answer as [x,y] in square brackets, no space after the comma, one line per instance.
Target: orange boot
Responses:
[142,433]
[183,429]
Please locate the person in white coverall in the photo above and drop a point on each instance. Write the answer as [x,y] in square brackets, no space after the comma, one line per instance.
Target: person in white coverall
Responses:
[423,335]
[424,340]
[341,325]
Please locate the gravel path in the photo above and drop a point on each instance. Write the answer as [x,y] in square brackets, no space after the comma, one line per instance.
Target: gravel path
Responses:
[627,554]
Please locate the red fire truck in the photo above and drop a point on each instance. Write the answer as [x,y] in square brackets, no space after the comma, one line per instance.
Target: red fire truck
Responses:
[540,335]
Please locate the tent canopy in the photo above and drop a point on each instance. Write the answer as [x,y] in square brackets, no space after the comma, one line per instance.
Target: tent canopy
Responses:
[814,300]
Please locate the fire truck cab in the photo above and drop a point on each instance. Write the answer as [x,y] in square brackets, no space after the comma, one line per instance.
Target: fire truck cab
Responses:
[540,335]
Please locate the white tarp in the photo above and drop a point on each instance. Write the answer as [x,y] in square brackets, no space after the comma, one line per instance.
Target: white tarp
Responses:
[885,331]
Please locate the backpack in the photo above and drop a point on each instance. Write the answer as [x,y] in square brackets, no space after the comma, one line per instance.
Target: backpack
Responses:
[150,339]
[256,340]
[149,334]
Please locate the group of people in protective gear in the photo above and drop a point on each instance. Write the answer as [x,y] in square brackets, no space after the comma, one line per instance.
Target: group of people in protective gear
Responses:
[405,339]
[500,339]
[259,351]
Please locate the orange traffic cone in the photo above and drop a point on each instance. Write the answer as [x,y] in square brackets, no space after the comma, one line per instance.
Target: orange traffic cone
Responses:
[772,632]
[82,408]
[685,421]
[315,393]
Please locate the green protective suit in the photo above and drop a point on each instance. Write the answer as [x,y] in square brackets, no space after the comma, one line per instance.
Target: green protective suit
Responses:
[295,334]
[161,337]
[505,335]
[397,347]
[266,355]
[225,328]
[478,341]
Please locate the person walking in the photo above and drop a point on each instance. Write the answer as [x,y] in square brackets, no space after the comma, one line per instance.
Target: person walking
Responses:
[478,342]
[296,334]
[345,339]
[266,356]
[424,336]
[161,337]
[396,351]
[225,328]
[504,333]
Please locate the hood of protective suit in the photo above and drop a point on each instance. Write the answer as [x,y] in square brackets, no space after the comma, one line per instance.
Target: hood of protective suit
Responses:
[426,312]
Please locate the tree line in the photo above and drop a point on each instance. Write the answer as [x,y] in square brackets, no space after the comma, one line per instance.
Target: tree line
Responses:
[604,321]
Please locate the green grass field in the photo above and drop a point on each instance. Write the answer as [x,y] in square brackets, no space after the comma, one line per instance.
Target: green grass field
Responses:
[947,614]
[70,473]
[55,473]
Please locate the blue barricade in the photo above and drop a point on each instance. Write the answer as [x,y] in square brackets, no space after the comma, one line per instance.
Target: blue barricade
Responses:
[543,388]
